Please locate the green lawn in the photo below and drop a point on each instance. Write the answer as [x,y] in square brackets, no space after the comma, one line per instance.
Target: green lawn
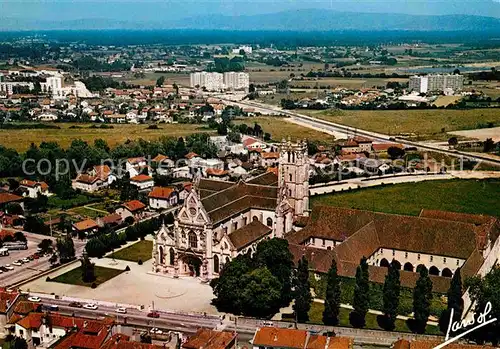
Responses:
[140,250]
[316,315]
[74,276]
[87,212]
[78,200]
[467,196]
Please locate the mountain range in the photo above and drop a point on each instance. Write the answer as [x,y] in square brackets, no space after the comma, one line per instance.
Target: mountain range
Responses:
[294,20]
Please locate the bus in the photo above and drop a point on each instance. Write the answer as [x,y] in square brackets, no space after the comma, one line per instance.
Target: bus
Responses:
[4,251]
[15,245]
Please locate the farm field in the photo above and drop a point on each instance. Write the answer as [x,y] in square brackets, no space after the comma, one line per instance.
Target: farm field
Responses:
[467,196]
[21,139]
[429,124]
[279,128]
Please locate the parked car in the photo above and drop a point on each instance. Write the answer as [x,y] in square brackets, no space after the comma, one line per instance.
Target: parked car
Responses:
[154,314]
[17,263]
[8,267]
[156,330]
[121,310]
[75,304]
[34,299]
[52,307]
[25,260]
[91,306]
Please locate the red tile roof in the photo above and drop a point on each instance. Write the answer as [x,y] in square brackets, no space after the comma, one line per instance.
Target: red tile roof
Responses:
[191,155]
[85,225]
[141,178]
[210,339]
[273,155]
[161,192]
[87,179]
[8,197]
[379,147]
[280,338]
[134,205]
[216,172]
[6,299]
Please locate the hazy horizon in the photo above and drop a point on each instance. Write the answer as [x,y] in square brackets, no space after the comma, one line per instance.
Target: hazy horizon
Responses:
[153,10]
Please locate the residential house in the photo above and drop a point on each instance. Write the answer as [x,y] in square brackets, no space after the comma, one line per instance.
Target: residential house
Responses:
[253,143]
[136,166]
[111,220]
[8,301]
[288,338]
[8,198]
[85,228]
[270,159]
[116,118]
[205,338]
[163,198]
[142,182]
[134,209]
[32,189]
[381,148]
[184,191]
[163,164]
[89,183]
[217,174]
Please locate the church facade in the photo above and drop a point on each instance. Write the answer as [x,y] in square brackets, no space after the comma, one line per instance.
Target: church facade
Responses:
[220,220]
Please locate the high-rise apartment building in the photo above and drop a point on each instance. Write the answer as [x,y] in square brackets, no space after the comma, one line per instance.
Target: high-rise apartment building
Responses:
[236,80]
[436,82]
[211,81]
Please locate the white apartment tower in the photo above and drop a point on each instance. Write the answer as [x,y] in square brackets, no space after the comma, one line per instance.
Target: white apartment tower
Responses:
[236,80]
[436,82]
[211,81]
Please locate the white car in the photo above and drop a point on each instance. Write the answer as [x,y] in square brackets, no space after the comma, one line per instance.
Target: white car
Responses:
[17,263]
[156,330]
[91,306]
[34,299]
[121,310]
[25,260]
[8,267]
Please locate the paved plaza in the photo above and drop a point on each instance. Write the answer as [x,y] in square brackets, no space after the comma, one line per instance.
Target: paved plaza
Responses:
[137,287]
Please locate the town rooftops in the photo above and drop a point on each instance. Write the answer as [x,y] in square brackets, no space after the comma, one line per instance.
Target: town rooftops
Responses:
[210,339]
[7,299]
[134,205]
[270,155]
[32,184]
[381,147]
[191,155]
[122,341]
[426,344]
[216,172]
[87,179]
[159,158]
[280,338]
[137,160]
[244,236]
[85,225]
[161,192]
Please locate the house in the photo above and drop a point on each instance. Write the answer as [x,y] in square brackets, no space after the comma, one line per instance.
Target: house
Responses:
[205,338]
[364,143]
[103,172]
[287,338]
[184,191]
[431,344]
[122,341]
[112,220]
[116,118]
[136,166]
[85,228]
[349,147]
[163,198]
[47,116]
[217,174]
[238,171]
[253,143]
[381,148]
[373,166]
[163,164]
[88,183]
[269,159]
[134,209]
[8,301]
[8,198]
[142,182]
[32,189]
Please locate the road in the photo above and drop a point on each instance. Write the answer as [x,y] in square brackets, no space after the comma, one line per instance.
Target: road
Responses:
[334,128]
[34,267]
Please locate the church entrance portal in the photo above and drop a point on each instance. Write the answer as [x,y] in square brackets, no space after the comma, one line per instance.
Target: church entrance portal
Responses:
[192,264]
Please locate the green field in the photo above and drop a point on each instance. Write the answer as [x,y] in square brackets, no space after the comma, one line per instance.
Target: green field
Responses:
[316,316]
[141,250]
[467,196]
[419,124]
[280,128]
[21,139]
[74,277]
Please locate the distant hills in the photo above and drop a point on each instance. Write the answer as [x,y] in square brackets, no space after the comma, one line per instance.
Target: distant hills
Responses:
[299,20]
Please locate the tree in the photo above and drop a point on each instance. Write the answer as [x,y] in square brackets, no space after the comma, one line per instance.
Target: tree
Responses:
[19,236]
[276,256]
[45,245]
[88,269]
[422,296]
[392,289]
[53,258]
[482,291]
[453,141]
[66,249]
[456,71]
[361,292]
[395,152]
[332,299]
[14,208]
[303,296]
[160,81]
[261,293]
[455,302]
[489,145]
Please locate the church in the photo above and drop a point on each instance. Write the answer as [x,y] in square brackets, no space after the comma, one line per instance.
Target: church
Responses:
[220,220]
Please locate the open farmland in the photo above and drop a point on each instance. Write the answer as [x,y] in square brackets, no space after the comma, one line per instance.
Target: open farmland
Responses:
[280,128]
[426,124]
[21,139]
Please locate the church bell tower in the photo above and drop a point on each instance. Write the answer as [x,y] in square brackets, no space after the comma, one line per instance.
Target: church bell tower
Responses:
[294,175]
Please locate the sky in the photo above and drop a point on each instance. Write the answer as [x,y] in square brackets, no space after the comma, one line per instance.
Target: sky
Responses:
[156,10]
